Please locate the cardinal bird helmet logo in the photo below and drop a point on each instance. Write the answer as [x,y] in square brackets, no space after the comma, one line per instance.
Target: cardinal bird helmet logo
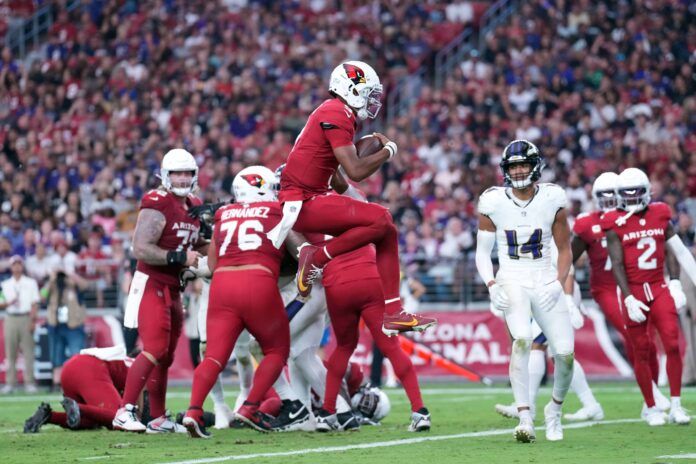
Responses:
[354,73]
[254,180]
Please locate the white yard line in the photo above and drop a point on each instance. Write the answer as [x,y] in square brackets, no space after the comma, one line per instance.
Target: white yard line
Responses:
[678,456]
[384,444]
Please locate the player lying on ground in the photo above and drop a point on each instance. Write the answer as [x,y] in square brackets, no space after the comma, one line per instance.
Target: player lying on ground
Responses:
[522,219]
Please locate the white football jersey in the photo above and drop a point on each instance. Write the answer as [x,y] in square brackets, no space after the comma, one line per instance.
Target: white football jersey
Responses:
[524,231]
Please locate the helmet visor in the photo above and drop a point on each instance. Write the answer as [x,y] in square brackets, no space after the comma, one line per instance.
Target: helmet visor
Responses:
[374,102]
[633,196]
[606,200]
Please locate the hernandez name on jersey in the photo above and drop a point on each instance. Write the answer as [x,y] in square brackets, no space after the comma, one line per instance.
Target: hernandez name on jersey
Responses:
[523,230]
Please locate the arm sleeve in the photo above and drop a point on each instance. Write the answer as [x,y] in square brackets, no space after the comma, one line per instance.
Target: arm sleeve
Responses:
[484,246]
[684,256]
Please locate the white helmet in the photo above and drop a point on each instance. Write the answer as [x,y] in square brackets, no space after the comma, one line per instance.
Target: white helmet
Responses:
[178,160]
[372,403]
[255,183]
[633,189]
[604,191]
[358,84]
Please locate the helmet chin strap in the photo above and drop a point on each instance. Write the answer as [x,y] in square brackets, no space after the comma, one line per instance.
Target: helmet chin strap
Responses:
[362,113]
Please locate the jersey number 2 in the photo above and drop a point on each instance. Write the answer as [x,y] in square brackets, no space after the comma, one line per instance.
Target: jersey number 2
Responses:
[246,238]
[644,261]
[532,246]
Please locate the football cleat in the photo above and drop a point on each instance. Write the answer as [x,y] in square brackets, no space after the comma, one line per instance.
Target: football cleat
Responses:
[127,421]
[590,413]
[552,420]
[347,421]
[507,410]
[524,432]
[654,417]
[393,324]
[678,415]
[307,270]
[193,422]
[251,416]
[293,415]
[326,422]
[164,424]
[39,418]
[72,412]
[223,416]
[420,421]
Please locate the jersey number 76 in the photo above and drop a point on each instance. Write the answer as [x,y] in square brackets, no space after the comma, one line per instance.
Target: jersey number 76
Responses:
[533,245]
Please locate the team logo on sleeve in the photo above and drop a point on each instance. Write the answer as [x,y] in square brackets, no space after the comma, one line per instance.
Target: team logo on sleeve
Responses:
[254,180]
[354,73]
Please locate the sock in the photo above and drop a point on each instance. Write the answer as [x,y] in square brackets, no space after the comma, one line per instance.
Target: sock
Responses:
[157,386]
[676,402]
[322,257]
[537,368]
[674,371]
[96,415]
[657,394]
[283,388]
[246,374]
[217,394]
[60,418]
[562,375]
[342,405]
[525,415]
[299,383]
[270,368]
[654,362]
[204,377]
[138,374]
[404,371]
[337,364]
[555,406]
[519,371]
[580,386]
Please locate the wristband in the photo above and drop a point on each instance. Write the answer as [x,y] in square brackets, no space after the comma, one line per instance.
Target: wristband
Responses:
[391,147]
[176,257]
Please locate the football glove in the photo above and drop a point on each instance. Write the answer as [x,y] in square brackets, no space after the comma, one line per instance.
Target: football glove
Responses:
[186,275]
[499,298]
[678,295]
[636,309]
[576,319]
[549,294]
[206,211]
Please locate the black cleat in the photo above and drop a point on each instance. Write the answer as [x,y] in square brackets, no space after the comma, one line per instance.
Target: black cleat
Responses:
[39,418]
[72,412]
[293,415]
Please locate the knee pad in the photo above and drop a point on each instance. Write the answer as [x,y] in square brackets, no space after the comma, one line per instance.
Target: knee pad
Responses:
[160,353]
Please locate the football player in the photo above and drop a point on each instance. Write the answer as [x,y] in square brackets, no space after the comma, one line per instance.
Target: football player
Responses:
[638,234]
[166,239]
[522,219]
[243,295]
[589,237]
[92,383]
[326,141]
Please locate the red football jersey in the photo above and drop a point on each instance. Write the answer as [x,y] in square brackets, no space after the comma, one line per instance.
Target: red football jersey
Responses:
[180,232]
[589,228]
[240,234]
[311,162]
[355,265]
[643,240]
[118,370]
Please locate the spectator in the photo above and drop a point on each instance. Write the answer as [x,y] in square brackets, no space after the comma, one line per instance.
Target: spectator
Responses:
[39,265]
[66,318]
[20,300]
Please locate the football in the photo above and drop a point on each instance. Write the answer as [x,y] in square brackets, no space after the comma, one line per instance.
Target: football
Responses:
[368,145]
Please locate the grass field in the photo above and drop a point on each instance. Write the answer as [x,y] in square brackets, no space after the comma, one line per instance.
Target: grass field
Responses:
[465,429]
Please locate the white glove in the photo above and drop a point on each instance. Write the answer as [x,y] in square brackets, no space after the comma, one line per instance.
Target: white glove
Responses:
[549,294]
[201,269]
[576,319]
[636,309]
[499,298]
[678,295]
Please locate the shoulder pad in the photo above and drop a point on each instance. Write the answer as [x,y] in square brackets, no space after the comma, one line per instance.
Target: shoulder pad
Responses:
[554,194]
[489,199]
[155,199]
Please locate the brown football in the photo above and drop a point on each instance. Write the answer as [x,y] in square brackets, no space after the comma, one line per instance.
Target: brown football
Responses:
[368,145]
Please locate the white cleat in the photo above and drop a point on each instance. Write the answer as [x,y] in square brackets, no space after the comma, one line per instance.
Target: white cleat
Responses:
[127,421]
[589,413]
[552,420]
[661,401]
[654,417]
[223,416]
[420,421]
[507,410]
[164,424]
[524,432]
[678,415]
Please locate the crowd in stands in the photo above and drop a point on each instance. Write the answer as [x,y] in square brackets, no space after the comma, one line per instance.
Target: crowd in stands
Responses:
[83,127]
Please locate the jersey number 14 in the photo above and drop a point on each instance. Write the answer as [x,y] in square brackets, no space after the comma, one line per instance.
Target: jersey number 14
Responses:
[532,246]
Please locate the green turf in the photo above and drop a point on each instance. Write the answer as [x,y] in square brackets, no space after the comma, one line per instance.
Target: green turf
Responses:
[454,412]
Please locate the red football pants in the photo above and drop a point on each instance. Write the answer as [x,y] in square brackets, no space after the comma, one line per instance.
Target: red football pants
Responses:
[243,300]
[86,380]
[608,301]
[347,303]
[355,224]
[663,316]
[160,319]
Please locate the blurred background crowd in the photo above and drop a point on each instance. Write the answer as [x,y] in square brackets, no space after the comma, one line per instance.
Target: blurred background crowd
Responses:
[86,117]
